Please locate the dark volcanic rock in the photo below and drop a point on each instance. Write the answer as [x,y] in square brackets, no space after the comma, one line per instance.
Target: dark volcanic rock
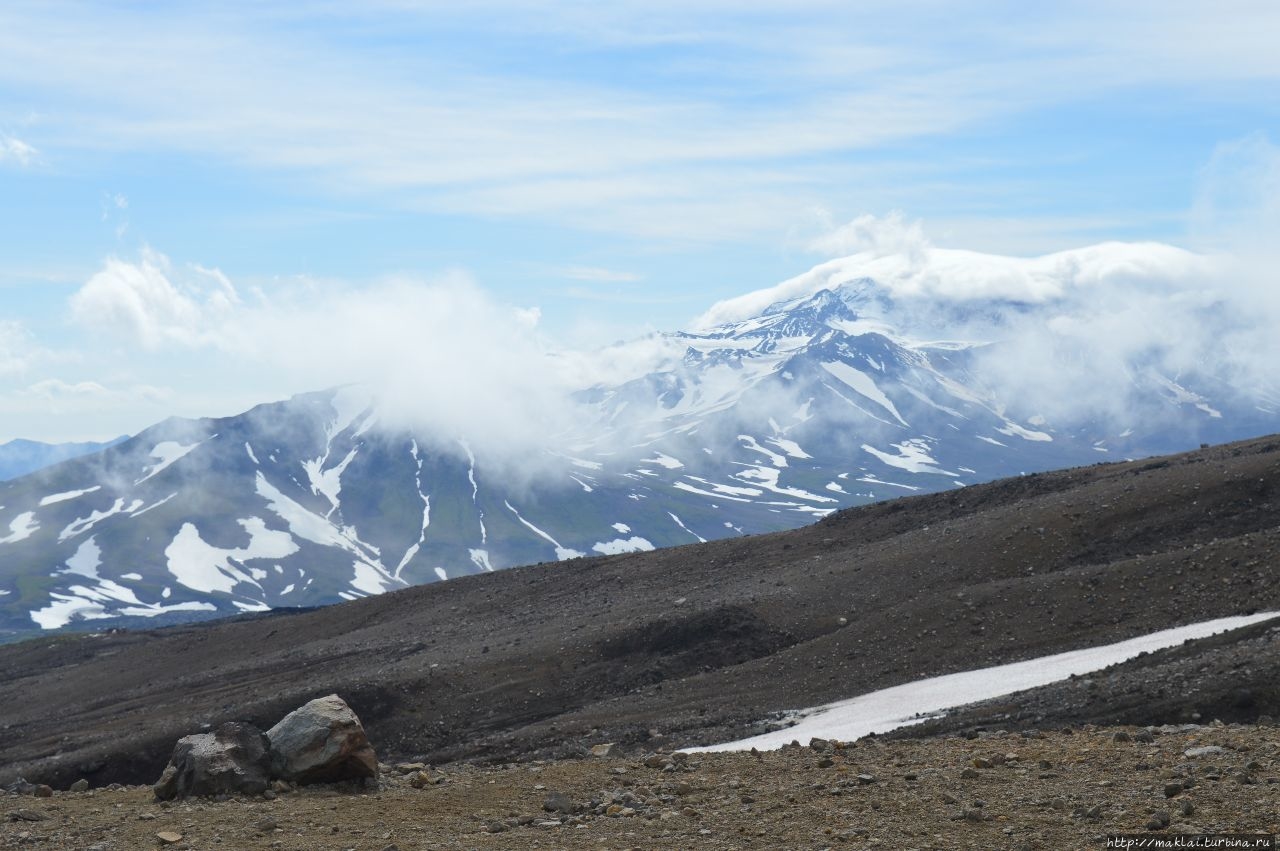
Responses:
[322,742]
[234,759]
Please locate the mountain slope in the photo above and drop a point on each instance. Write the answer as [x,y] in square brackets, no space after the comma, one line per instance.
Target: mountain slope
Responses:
[695,643]
[753,426]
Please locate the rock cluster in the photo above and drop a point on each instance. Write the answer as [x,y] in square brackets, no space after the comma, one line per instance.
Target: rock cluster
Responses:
[320,742]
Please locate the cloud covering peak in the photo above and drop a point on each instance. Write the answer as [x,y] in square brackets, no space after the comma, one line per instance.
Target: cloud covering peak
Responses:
[923,271]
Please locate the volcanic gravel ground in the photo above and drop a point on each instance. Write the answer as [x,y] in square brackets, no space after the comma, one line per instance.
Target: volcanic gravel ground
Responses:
[1001,791]
[688,645]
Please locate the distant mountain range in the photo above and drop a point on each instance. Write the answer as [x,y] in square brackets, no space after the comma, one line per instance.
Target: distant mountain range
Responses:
[759,424]
[19,457]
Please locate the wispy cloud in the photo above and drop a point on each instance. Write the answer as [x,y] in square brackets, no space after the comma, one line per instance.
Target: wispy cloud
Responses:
[15,150]
[600,274]
[717,142]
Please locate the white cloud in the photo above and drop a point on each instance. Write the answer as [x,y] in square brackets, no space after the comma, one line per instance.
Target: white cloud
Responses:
[878,237]
[141,302]
[902,261]
[16,150]
[441,355]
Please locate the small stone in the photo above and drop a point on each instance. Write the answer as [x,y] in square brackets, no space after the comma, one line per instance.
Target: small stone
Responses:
[688,812]
[969,774]
[866,779]
[1159,820]
[1121,736]
[26,815]
[819,745]
[1144,736]
[558,802]
[266,825]
[826,762]
[982,762]
[601,749]
[410,767]
[43,791]
[169,837]
[1185,807]
[1172,790]
[1209,750]
[269,795]
[80,785]
[495,827]
[281,787]
[420,779]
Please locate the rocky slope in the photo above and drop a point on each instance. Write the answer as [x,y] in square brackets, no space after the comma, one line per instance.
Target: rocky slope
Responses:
[1058,789]
[686,645]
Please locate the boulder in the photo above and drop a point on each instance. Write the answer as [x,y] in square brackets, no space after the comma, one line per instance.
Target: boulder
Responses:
[322,742]
[233,759]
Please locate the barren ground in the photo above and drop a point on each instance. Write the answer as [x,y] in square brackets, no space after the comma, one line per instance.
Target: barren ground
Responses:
[1053,791]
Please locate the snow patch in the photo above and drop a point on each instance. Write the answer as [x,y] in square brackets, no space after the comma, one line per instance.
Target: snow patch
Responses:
[664,461]
[480,558]
[617,546]
[440,572]
[203,567]
[168,453]
[891,708]
[912,456]
[862,384]
[680,523]
[790,447]
[622,528]
[21,528]
[1012,429]
[83,524]
[62,497]
[562,553]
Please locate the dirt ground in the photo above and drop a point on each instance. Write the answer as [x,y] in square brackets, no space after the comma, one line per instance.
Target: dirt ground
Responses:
[1035,790]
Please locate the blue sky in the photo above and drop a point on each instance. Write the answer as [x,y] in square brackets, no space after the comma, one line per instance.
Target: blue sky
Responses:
[604,168]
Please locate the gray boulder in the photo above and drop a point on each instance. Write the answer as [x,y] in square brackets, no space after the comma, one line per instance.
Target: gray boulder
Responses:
[234,759]
[322,742]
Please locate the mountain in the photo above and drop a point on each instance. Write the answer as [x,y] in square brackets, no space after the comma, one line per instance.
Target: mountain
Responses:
[20,457]
[707,642]
[755,425]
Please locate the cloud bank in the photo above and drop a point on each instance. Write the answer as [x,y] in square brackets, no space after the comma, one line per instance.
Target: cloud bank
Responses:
[441,355]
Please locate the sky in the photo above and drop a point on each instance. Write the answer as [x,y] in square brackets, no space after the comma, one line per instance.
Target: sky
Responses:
[206,206]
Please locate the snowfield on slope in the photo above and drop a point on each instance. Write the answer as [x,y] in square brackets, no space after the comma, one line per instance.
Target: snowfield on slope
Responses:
[912,703]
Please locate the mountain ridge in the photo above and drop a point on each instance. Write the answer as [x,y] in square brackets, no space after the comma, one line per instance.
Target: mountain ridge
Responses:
[756,425]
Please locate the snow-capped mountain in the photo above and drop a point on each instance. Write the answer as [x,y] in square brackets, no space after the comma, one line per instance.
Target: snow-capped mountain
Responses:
[758,424]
